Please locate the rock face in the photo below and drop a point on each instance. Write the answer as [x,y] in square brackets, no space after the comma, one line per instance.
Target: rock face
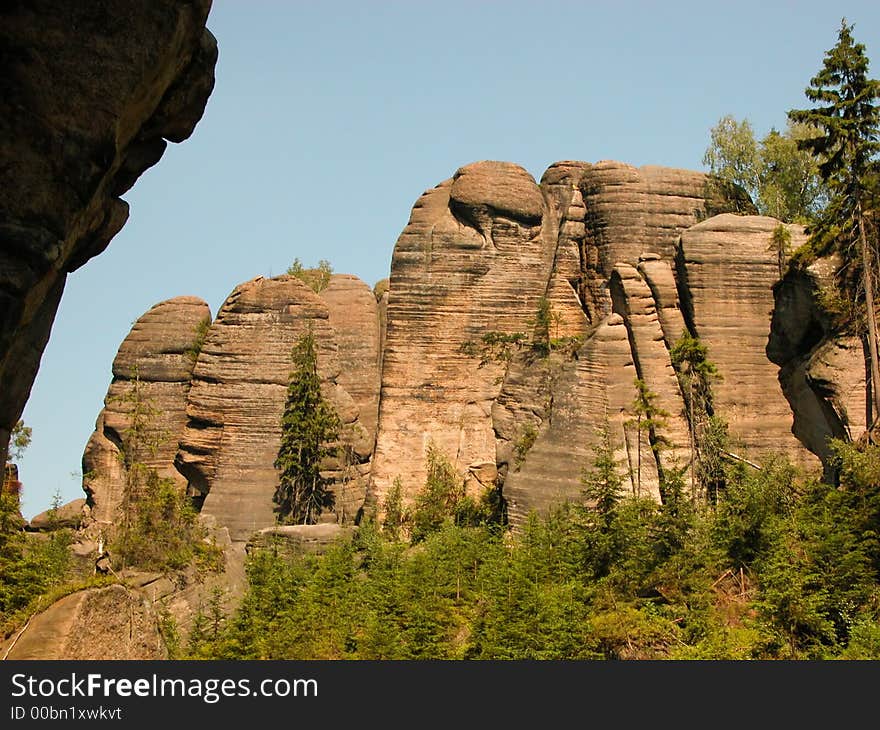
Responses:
[480,253]
[627,211]
[145,408]
[517,324]
[822,368]
[592,391]
[473,259]
[727,267]
[229,445]
[95,624]
[90,95]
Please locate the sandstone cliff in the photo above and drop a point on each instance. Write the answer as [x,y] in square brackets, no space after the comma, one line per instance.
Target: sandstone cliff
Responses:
[152,373]
[516,323]
[90,95]
[233,430]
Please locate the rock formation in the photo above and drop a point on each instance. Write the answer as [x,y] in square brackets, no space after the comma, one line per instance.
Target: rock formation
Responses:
[473,259]
[145,408]
[823,366]
[490,237]
[90,95]
[95,624]
[231,439]
[517,325]
[727,267]
[517,322]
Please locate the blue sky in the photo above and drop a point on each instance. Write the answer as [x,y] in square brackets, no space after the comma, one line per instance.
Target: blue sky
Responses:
[328,120]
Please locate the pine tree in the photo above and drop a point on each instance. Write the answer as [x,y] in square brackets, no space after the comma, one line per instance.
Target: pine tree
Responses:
[602,483]
[309,426]
[847,116]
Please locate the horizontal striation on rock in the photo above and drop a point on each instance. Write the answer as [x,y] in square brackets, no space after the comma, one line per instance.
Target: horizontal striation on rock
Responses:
[660,279]
[151,377]
[355,320]
[622,211]
[728,267]
[354,317]
[633,210]
[228,448]
[474,258]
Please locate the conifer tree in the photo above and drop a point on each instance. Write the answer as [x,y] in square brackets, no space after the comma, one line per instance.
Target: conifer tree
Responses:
[696,374]
[847,116]
[309,426]
[649,419]
[601,483]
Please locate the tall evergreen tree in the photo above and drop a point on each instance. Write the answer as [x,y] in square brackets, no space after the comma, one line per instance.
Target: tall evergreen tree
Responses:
[309,426]
[847,116]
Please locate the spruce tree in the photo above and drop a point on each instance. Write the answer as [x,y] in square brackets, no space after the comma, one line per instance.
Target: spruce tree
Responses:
[309,426]
[847,116]
[601,483]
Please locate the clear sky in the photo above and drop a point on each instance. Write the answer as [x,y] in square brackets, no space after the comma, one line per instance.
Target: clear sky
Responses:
[328,120]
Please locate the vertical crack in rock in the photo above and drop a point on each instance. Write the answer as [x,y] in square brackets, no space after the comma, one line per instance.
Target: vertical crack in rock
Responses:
[157,357]
[822,371]
[634,300]
[594,389]
[730,271]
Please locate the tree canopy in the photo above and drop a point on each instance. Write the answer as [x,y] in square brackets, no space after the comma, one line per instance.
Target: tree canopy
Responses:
[781,178]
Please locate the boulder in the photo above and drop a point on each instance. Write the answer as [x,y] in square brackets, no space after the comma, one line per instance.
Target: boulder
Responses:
[299,539]
[94,624]
[70,515]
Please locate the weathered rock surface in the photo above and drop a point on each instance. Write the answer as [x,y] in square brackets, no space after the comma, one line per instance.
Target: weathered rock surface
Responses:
[479,253]
[728,268]
[89,96]
[628,211]
[822,369]
[70,515]
[298,539]
[229,445]
[595,389]
[96,624]
[151,378]
[634,300]
[475,257]
[228,448]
